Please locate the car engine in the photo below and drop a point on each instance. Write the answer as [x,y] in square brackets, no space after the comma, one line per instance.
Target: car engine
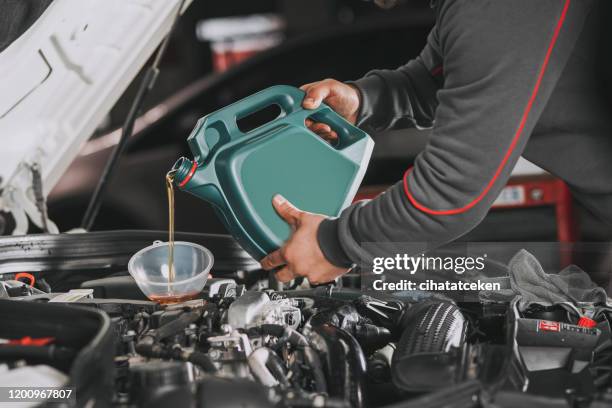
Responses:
[245,343]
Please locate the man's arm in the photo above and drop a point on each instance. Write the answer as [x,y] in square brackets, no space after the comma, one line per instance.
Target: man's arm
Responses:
[383,99]
[502,60]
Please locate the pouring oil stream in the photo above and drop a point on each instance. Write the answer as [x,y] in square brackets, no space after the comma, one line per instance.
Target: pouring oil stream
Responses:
[170,192]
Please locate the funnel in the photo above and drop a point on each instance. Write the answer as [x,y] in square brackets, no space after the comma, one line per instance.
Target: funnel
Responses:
[149,267]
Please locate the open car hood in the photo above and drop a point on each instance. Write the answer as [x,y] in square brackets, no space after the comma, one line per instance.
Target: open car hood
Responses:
[59,79]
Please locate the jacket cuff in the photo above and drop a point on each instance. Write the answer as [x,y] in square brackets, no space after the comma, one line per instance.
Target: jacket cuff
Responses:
[329,242]
[370,88]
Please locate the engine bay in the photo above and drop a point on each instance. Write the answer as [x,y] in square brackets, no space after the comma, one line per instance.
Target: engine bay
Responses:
[319,347]
[78,321]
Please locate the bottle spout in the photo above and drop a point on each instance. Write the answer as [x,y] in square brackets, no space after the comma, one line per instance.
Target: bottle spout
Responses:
[185,169]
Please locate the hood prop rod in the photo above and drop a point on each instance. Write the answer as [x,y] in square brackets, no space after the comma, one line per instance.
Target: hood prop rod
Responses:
[146,84]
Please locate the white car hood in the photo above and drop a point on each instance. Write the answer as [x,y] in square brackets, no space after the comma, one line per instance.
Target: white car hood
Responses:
[60,79]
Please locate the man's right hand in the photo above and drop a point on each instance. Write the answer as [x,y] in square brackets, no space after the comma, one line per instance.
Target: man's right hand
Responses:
[343,98]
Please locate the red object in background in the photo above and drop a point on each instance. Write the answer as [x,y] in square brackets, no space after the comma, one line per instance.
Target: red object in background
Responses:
[538,191]
[29,341]
[234,39]
[546,325]
[527,192]
[587,322]
[26,275]
[224,57]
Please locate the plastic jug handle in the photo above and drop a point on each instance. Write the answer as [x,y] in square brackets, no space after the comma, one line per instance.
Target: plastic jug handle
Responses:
[288,98]
[347,132]
[223,122]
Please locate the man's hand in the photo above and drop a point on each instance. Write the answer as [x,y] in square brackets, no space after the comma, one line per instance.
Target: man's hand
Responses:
[344,99]
[300,255]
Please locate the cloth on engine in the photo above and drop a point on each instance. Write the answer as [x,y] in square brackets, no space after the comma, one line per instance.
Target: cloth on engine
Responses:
[528,280]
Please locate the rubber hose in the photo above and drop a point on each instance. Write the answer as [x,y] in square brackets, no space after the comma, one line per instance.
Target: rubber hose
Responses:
[148,345]
[275,365]
[298,340]
[176,325]
[203,361]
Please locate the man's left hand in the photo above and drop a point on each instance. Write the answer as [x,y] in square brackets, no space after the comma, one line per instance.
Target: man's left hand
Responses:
[300,255]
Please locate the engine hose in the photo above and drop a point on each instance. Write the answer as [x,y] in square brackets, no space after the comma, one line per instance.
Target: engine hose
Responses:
[300,342]
[289,334]
[200,359]
[268,368]
[277,369]
[295,338]
[175,326]
[149,345]
[430,353]
[314,362]
[344,363]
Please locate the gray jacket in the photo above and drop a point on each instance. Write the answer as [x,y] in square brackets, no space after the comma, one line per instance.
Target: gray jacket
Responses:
[497,79]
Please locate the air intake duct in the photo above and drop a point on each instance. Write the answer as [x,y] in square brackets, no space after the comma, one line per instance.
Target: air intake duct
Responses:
[431,352]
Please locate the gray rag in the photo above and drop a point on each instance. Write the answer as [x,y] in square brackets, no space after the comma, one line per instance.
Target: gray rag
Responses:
[528,280]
